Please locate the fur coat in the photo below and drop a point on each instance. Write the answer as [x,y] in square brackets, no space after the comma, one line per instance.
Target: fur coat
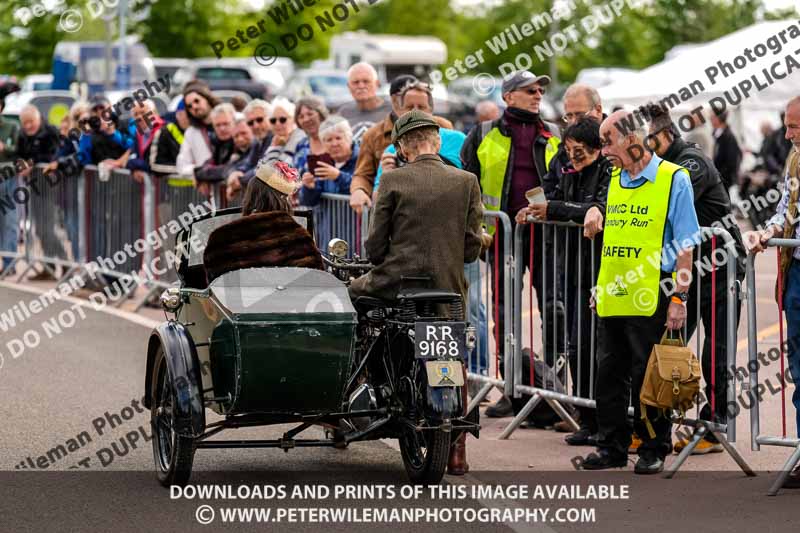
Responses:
[271,239]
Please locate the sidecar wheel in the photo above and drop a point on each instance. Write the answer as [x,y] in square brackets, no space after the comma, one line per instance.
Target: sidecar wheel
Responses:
[425,455]
[173,454]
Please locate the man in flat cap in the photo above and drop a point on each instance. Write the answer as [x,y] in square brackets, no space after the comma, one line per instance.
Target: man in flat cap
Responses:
[426,222]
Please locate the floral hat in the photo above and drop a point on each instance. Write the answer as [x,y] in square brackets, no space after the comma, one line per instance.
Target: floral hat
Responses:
[279,175]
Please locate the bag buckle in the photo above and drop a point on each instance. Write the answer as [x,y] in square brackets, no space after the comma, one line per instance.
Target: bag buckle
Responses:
[676,378]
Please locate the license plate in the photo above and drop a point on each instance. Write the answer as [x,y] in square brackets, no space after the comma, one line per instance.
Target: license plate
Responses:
[444,373]
[440,340]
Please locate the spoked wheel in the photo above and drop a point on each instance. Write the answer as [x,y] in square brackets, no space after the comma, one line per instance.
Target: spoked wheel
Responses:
[425,452]
[425,455]
[173,454]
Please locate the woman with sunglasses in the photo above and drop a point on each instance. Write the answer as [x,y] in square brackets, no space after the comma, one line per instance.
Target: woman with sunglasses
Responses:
[309,114]
[577,191]
[286,135]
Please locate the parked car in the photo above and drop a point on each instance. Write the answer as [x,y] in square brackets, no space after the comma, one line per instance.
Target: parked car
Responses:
[330,85]
[238,74]
[53,105]
[37,82]
[169,66]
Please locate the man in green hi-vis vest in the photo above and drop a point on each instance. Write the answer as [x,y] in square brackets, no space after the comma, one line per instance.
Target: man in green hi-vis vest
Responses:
[649,229]
[511,155]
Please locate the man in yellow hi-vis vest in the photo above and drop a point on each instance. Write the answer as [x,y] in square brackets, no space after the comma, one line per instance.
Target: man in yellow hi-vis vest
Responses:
[649,229]
[510,156]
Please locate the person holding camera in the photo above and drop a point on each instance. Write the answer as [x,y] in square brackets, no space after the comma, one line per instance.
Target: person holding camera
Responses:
[104,143]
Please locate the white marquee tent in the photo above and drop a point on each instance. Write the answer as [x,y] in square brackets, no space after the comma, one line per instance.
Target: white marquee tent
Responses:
[660,80]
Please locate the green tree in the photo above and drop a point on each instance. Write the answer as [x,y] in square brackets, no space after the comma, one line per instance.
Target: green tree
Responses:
[27,41]
[186,28]
[433,17]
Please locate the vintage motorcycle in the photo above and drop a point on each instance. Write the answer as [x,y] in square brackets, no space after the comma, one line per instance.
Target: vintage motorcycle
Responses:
[265,346]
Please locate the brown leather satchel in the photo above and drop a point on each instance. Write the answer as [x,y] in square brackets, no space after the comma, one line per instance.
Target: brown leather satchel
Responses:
[672,379]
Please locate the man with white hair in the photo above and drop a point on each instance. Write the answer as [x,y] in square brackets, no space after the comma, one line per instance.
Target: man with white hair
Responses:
[37,143]
[256,115]
[223,117]
[649,215]
[784,224]
[367,108]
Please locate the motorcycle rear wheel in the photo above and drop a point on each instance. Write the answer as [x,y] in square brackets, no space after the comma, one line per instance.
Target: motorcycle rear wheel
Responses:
[425,455]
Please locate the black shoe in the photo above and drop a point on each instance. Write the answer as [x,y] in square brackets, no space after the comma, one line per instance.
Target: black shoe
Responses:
[582,437]
[793,481]
[649,463]
[603,460]
[501,409]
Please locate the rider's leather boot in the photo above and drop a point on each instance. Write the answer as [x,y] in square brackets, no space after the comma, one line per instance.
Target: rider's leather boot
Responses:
[457,462]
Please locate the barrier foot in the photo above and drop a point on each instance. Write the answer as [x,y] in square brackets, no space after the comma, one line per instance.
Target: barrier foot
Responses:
[25,272]
[67,274]
[686,452]
[731,449]
[128,295]
[787,468]
[532,403]
[565,416]
[474,402]
[50,270]
[11,268]
[699,433]
[147,296]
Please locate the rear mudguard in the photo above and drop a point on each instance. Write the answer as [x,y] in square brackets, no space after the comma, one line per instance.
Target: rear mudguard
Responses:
[184,370]
[441,403]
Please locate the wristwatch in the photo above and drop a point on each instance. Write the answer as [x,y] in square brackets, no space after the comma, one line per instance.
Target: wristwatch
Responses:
[680,297]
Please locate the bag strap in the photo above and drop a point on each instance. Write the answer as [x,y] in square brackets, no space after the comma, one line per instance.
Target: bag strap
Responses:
[667,340]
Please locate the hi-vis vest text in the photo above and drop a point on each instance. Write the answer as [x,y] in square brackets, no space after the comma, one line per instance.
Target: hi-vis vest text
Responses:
[633,238]
[493,153]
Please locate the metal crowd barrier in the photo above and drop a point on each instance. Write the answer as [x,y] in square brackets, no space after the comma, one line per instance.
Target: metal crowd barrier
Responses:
[757,438]
[8,204]
[487,300]
[172,196]
[53,219]
[70,221]
[724,433]
[549,319]
[333,218]
[577,395]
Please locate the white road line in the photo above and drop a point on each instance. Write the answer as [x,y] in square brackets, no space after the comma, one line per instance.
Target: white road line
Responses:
[127,315]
